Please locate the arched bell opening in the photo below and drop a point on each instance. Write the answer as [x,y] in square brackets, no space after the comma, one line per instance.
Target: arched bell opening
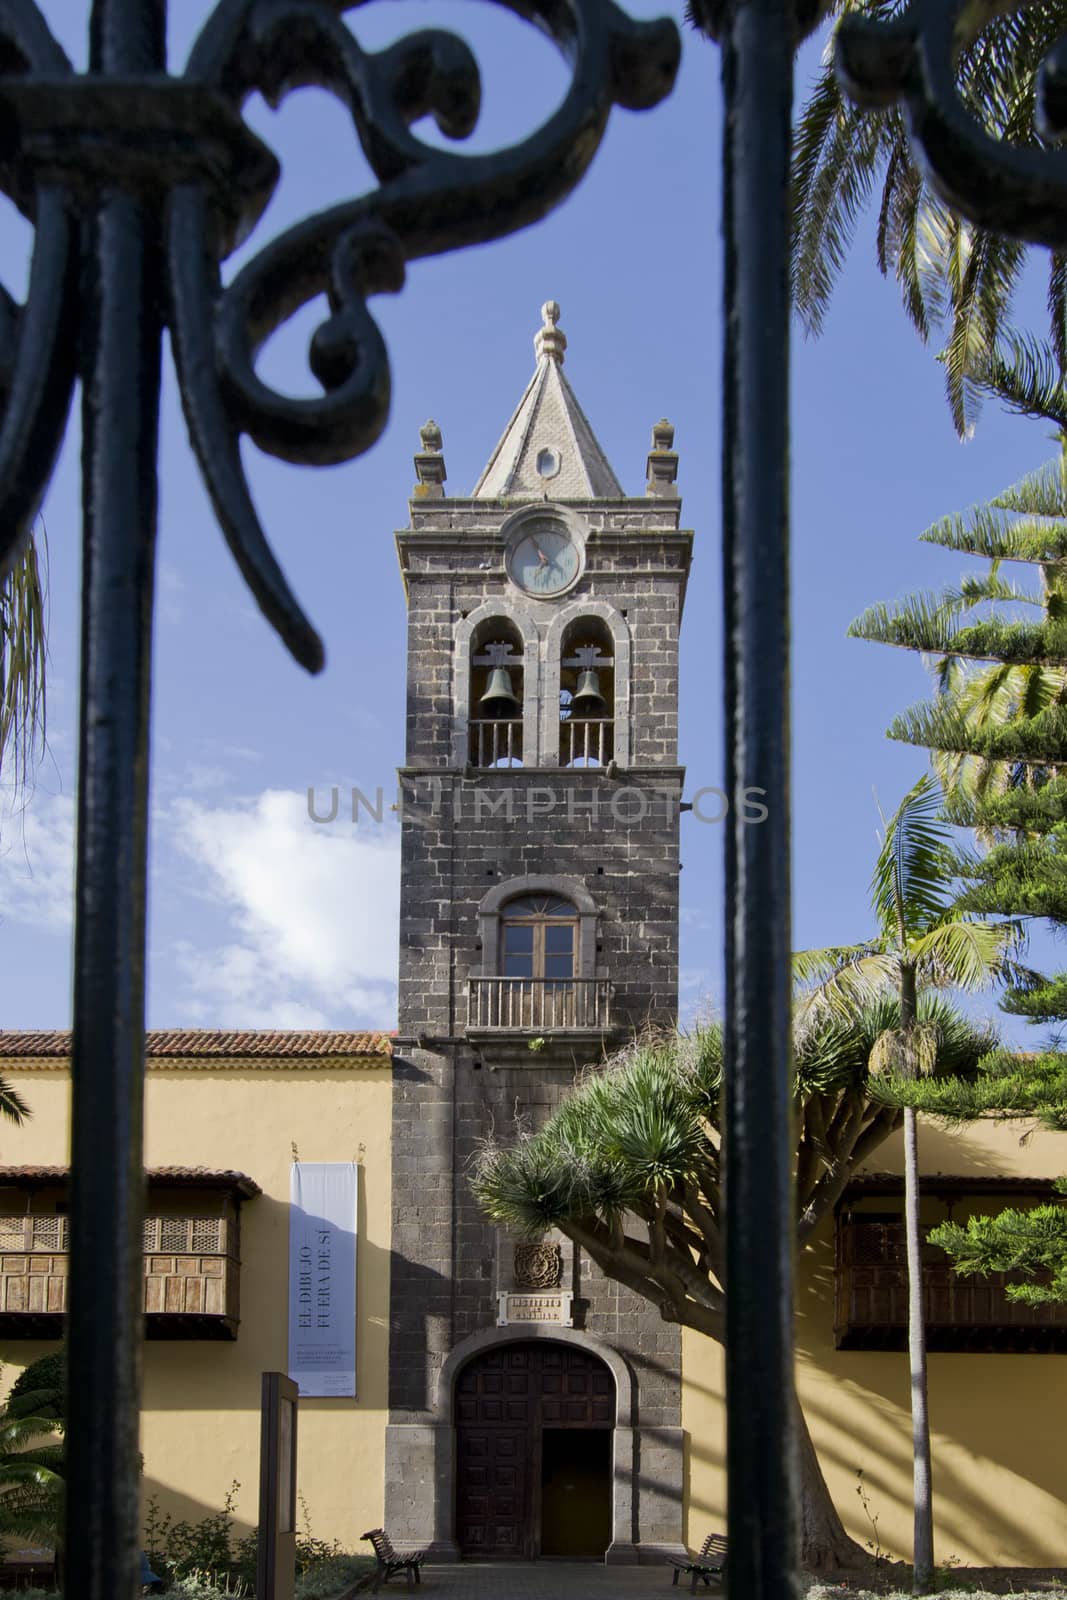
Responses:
[587,694]
[496,695]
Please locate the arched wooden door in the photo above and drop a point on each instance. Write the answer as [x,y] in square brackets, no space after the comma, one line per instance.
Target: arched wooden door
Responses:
[534,1428]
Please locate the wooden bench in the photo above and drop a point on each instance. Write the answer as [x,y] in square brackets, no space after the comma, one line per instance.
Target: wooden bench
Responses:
[709,1563]
[391,1561]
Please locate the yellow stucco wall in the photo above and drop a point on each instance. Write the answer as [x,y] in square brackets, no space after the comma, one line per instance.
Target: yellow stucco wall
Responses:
[1000,1477]
[200,1422]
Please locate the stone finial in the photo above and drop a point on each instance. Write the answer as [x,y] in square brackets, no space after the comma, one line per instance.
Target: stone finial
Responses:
[550,340]
[430,463]
[662,468]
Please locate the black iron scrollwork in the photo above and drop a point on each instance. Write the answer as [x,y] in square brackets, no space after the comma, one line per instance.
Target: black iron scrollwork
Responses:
[139,185]
[183,140]
[912,59]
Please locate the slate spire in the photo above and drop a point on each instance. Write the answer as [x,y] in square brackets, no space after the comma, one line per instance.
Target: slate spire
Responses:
[548,450]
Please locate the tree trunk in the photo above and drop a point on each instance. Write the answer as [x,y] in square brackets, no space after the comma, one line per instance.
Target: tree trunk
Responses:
[922,1488]
[824,1545]
[923,1553]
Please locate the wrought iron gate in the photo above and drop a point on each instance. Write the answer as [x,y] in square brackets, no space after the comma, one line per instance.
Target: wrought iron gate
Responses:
[139,184]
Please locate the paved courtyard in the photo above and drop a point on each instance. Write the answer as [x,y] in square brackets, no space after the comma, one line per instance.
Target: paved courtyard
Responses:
[549,1580]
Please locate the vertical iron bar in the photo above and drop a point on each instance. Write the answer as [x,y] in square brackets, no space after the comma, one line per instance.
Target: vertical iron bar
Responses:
[758,1144]
[120,357]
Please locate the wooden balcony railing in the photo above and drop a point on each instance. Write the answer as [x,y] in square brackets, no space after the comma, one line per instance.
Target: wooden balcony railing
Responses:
[191,1276]
[961,1313]
[539,1005]
[496,742]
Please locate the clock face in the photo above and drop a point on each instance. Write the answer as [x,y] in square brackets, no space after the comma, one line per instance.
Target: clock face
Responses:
[544,559]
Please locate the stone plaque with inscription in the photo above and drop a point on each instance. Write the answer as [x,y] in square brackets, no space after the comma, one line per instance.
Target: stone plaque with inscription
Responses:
[556,1307]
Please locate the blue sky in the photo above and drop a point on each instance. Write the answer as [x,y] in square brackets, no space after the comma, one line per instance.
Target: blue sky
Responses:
[258,918]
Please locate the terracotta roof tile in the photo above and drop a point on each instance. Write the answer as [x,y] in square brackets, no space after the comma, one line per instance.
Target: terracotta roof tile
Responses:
[172,1177]
[205,1042]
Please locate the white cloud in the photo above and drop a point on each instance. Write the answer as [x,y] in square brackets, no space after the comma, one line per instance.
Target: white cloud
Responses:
[313,915]
[37,863]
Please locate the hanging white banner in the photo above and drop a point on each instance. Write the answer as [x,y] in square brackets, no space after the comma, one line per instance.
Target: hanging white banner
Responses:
[322,1277]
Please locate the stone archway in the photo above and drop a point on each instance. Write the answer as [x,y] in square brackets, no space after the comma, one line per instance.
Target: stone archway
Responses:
[602,1404]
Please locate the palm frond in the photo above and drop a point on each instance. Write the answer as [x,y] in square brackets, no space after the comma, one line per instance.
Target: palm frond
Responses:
[23,660]
[981,309]
[905,228]
[908,886]
[906,1052]
[1057,306]
[964,954]
[12,1105]
[1026,375]
[840,982]
[837,151]
[948,270]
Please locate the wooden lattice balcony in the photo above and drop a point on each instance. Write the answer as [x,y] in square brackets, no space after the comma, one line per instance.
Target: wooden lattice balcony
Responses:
[191,1260]
[961,1313]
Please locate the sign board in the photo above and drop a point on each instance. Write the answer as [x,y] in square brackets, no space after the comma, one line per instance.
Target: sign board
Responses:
[554,1307]
[276,1548]
[322,1276]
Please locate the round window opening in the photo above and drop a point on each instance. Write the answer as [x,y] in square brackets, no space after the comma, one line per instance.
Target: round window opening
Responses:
[547,463]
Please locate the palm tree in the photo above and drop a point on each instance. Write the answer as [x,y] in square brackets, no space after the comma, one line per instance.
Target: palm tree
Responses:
[22,666]
[31,1476]
[952,274]
[628,1168]
[921,942]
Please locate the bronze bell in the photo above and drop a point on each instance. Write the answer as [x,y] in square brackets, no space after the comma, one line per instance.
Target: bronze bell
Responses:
[500,699]
[588,700]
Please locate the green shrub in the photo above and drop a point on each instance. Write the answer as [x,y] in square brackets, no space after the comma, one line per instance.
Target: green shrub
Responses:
[197,1550]
[331,1576]
[206,1586]
[203,1561]
[835,1591]
[46,1380]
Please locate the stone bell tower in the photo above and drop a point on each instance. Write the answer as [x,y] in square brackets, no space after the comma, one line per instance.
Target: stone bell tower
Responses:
[534,1404]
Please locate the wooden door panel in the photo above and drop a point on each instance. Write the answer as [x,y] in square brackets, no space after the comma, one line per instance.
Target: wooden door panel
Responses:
[504,1401]
[492,1509]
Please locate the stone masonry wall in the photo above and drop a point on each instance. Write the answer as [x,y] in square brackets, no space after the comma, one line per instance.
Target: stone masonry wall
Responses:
[465,834]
